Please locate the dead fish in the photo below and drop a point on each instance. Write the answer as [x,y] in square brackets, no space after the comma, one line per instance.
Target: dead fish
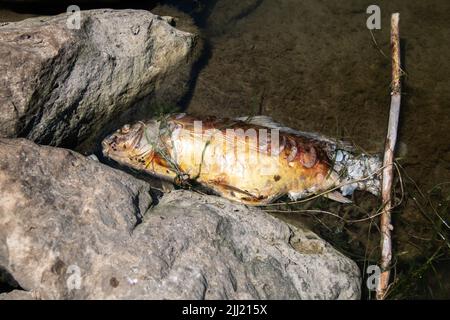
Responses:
[252,160]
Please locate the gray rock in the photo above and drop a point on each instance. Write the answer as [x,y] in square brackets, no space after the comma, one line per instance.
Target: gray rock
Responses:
[59,209]
[70,229]
[17,295]
[60,85]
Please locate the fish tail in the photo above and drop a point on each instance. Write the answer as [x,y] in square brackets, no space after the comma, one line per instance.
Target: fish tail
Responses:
[358,172]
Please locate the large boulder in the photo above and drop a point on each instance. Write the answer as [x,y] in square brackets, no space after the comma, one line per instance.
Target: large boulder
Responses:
[71,227]
[60,85]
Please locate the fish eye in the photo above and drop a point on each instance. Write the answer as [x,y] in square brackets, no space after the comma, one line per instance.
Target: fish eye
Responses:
[125,129]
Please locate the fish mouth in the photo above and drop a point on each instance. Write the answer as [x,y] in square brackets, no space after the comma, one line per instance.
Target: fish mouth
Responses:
[105,147]
[126,143]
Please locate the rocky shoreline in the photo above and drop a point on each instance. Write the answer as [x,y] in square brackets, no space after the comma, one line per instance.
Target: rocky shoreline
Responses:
[74,228]
[61,210]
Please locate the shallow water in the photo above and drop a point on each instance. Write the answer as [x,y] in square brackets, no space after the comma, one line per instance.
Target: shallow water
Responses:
[313,65]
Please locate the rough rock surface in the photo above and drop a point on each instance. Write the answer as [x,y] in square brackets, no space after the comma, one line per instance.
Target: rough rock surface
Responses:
[58,85]
[63,216]
[17,295]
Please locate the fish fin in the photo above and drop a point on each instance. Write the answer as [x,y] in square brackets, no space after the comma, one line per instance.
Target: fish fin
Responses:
[231,189]
[337,196]
[234,193]
[266,121]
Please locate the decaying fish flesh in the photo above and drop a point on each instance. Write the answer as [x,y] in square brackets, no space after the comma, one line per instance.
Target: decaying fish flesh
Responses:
[252,160]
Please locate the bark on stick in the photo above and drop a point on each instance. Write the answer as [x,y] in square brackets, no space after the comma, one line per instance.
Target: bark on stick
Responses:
[386,226]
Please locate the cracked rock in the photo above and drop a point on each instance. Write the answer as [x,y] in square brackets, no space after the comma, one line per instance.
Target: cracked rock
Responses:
[69,230]
[61,86]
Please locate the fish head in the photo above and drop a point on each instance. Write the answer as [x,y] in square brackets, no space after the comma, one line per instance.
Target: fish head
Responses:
[130,141]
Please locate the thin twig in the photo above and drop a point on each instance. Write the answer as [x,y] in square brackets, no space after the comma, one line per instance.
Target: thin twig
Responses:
[376,44]
[326,212]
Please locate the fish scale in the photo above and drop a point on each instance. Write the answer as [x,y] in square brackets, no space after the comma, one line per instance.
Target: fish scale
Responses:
[252,160]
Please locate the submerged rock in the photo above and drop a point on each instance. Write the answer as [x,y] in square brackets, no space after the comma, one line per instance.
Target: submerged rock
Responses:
[60,85]
[73,228]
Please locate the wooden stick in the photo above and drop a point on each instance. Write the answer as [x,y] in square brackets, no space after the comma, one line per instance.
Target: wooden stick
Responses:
[386,189]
